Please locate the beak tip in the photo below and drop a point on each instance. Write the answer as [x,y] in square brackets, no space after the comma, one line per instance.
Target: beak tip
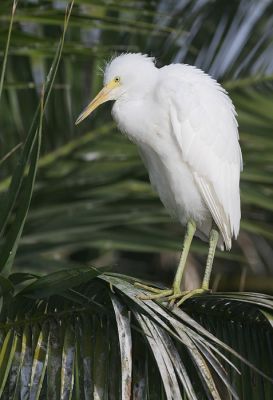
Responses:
[79,119]
[99,99]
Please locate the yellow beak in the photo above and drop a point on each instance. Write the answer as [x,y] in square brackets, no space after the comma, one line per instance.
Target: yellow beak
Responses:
[101,97]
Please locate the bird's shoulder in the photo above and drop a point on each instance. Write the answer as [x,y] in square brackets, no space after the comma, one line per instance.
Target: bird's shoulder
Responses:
[183,81]
[185,74]
[200,108]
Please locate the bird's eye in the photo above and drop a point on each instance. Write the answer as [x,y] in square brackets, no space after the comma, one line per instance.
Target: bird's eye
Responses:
[117,79]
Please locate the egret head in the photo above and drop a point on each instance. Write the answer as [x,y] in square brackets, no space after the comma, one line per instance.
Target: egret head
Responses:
[129,74]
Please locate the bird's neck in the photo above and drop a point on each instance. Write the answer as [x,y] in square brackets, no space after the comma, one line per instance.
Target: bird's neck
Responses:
[126,112]
[132,111]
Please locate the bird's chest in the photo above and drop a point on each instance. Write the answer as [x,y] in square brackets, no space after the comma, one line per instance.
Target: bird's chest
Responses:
[147,125]
[141,121]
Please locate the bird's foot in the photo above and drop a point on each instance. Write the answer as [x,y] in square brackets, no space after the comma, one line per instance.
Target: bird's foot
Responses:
[180,297]
[174,296]
[156,293]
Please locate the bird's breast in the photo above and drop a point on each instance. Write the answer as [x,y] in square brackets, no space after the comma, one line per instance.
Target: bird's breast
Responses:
[147,125]
[140,120]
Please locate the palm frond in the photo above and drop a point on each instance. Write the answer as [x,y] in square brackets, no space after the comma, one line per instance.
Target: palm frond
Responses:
[57,339]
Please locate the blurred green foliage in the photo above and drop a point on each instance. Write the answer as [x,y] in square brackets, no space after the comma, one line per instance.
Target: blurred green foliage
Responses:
[92,195]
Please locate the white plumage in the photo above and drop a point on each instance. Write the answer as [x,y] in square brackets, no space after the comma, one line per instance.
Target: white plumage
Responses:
[185,127]
[186,131]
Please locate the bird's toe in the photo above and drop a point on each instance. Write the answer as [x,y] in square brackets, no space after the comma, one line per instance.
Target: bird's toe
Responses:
[155,296]
[155,293]
[172,296]
[192,293]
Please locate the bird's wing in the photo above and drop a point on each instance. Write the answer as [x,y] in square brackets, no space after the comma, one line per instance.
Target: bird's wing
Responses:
[204,125]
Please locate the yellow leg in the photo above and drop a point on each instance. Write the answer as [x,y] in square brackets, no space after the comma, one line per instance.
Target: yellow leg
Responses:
[213,240]
[191,228]
[175,294]
[175,291]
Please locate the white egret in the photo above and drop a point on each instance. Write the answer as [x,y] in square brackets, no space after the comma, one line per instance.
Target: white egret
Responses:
[184,125]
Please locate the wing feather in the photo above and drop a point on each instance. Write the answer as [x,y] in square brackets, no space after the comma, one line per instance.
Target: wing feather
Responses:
[216,209]
[204,125]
